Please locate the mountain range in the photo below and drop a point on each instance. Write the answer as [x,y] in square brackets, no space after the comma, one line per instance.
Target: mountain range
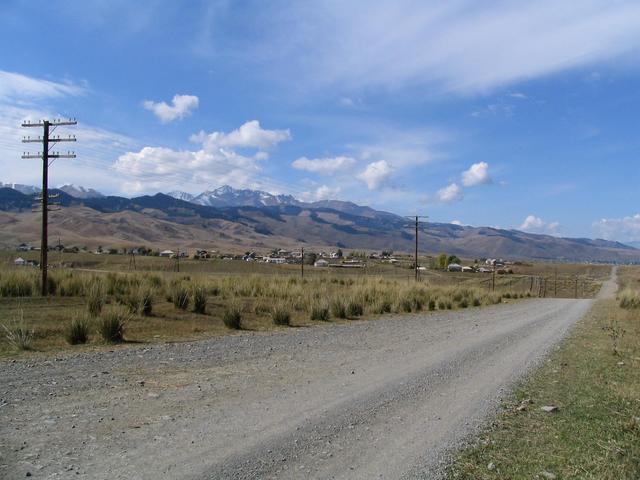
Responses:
[226,218]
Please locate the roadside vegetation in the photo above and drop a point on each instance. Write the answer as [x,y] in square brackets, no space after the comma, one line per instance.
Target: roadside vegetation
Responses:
[175,306]
[593,381]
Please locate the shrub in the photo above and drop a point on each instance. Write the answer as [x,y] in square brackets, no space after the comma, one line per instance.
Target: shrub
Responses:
[16,285]
[449,305]
[199,299]
[319,313]
[507,295]
[338,309]
[476,302]
[179,296]
[463,303]
[78,331]
[355,308]
[18,333]
[441,305]
[281,316]
[232,317]
[111,324]
[95,298]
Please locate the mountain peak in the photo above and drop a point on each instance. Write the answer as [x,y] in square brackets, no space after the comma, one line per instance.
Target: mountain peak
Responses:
[78,191]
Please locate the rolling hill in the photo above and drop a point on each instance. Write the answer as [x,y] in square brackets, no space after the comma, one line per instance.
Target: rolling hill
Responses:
[164,221]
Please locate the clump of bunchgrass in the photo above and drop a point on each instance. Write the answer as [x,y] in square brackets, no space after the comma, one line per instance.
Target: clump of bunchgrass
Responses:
[319,312]
[355,308]
[78,329]
[179,296]
[111,323]
[18,333]
[629,299]
[16,284]
[199,299]
[338,308]
[95,297]
[281,316]
[232,317]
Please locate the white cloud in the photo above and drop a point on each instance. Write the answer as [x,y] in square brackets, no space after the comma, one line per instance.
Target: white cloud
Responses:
[477,174]
[181,106]
[458,46]
[450,194]
[17,86]
[216,162]
[376,174]
[249,135]
[535,224]
[323,192]
[625,229]
[324,166]
[518,95]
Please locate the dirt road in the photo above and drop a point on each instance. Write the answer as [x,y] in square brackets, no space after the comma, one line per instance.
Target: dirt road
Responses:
[373,399]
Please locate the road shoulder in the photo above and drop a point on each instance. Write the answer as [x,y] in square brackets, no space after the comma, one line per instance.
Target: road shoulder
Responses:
[594,430]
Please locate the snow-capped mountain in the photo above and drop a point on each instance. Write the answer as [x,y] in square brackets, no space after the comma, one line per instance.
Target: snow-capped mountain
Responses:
[26,189]
[80,192]
[227,196]
[187,197]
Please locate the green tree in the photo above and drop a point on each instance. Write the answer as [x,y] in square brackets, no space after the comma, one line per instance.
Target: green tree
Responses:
[442,261]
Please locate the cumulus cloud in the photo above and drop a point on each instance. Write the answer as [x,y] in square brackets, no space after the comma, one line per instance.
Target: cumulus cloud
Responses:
[249,135]
[323,165]
[625,229]
[535,224]
[18,86]
[376,174]
[323,192]
[456,222]
[450,194]
[477,174]
[181,106]
[215,162]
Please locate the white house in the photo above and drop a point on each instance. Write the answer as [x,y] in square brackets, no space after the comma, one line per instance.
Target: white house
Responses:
[454,267]
[20,262]
[468,269]
[167,253]
[321,263]
[278,260]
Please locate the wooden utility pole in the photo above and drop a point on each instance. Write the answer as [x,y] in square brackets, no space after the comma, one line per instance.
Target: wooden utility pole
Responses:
[576,290]
[555,283]
[45,155]
[417,223]
[302,262]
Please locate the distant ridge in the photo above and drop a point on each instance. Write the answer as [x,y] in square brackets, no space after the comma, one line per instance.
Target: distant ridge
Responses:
[163,220]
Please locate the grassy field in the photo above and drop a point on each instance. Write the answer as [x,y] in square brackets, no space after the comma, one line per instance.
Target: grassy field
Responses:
[593,379]
[216,291]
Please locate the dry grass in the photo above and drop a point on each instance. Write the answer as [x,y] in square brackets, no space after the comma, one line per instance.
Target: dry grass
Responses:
[154,299]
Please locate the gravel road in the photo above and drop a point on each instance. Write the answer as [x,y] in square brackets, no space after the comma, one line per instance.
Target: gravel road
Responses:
[384,398]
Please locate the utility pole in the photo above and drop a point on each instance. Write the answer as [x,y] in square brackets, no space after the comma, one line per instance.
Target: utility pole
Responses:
[555,283]
[302,262]
[47,128]
[178,260]
[417,223]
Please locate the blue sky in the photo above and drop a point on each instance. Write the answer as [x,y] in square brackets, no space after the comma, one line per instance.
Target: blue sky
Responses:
[511,114]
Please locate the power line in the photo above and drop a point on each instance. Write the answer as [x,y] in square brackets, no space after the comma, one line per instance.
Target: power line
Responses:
[48,141]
